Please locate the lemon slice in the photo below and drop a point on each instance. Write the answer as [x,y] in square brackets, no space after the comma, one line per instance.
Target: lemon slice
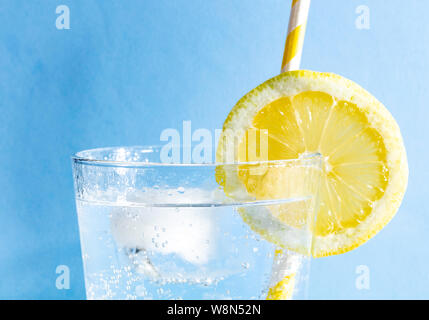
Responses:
[365,166]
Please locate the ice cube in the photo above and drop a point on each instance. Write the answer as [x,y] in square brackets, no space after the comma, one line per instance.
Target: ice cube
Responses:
[185,231]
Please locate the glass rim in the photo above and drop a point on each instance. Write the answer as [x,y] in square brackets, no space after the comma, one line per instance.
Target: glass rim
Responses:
[80,158]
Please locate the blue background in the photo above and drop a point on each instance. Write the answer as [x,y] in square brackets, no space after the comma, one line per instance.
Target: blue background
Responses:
[126,70]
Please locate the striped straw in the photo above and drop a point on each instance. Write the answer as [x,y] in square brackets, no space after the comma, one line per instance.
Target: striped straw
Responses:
[295,35]
[286,264]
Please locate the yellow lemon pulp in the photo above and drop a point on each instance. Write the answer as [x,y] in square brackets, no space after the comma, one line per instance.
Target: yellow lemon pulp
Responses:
[356,171]
[365,168]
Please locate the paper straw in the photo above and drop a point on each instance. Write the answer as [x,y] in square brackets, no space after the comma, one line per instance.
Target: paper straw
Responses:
[288,263]
[295,35]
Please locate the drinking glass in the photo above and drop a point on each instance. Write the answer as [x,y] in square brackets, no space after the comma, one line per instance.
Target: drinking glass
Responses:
[154,230]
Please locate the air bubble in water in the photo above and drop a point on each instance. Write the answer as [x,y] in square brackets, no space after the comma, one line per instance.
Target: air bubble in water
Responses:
[181,190]
[245,265]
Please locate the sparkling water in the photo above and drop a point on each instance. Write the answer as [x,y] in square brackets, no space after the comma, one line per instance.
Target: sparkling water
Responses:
[132,250]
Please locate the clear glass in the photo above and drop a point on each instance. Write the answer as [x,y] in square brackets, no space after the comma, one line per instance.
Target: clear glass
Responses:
[151,230]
